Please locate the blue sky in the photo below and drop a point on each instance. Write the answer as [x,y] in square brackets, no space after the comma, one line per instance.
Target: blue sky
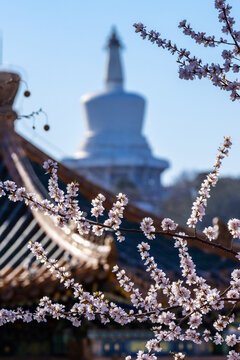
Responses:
[58,47]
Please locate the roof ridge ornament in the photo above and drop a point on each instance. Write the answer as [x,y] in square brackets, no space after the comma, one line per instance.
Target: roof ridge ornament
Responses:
[9,84]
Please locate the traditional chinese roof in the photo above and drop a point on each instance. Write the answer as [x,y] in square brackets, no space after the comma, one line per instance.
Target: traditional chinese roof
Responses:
[89,257]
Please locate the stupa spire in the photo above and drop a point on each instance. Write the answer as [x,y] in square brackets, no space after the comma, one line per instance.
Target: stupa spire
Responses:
[114,72]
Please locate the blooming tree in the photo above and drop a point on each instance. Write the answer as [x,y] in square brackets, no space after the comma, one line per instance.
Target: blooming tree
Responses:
[189,300]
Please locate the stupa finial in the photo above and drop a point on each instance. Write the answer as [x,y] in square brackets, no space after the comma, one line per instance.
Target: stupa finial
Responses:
[114,72]
[113,39]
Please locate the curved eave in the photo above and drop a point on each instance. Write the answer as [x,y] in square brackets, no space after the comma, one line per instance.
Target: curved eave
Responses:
[19,224]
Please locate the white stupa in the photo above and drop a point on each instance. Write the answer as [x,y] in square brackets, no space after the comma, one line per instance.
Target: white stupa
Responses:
[113,152]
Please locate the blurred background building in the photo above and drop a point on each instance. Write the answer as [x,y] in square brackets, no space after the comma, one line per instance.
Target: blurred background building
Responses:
[113,151]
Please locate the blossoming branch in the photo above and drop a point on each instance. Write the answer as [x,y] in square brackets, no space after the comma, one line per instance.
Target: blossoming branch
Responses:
[188,300]
[190,67]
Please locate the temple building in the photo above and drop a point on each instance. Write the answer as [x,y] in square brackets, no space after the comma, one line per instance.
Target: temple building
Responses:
[113,152]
